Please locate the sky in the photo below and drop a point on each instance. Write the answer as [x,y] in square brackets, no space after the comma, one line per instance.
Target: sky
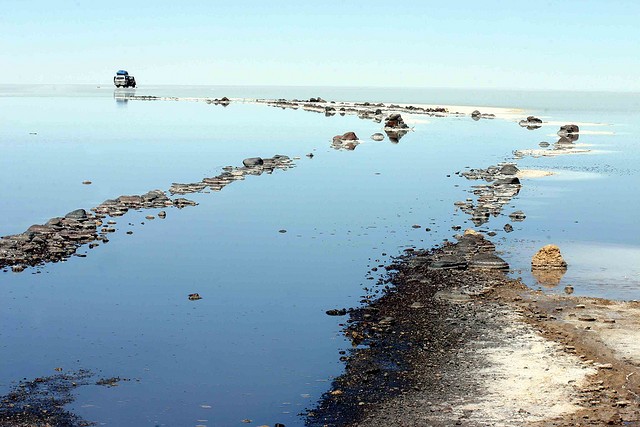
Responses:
[546,45]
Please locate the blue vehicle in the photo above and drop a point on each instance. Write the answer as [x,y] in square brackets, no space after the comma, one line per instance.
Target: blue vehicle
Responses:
[123,79]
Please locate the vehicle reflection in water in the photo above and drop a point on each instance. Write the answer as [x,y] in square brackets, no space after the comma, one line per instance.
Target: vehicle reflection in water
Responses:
[122,96]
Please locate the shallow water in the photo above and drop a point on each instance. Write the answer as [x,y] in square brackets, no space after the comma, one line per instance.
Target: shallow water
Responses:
[258,345]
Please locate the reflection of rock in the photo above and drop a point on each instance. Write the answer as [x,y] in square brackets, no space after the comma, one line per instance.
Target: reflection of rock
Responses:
[570,138]
[395,135]
[548,277]
[548,257]
[531,123]
[568,129]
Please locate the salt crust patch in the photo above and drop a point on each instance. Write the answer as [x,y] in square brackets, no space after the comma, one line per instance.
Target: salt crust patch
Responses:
[527,379]
[533,173]
[551,153]
[623,336]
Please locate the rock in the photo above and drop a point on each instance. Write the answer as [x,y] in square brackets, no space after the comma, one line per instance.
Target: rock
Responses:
[448,262]
[377,136]
[282,231]
[150,217]
[349,136]
[517,216]
[194,297]
[337,312]
[310,155]
[509,169]
[548,257]
[394,121]
[253,161]
[531,123]
[86,182]
[544,144]
[162,214]
[346,141]
[568,289]
[476,113]
[78,214]
[17,268]
[488,261]
[508,228]
[568,129]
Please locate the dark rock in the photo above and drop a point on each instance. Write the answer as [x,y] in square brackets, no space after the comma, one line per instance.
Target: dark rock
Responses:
[509,169]
[253,161]
[544,144]
[531,123]
[337,312]
[448,262]
[394,121]
[476,113]
[508,228]
[488,261]
[78,214]
[349,136]
[568,129]
[194,297]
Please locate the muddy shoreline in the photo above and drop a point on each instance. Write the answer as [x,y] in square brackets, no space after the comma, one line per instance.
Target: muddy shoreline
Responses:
[473,347]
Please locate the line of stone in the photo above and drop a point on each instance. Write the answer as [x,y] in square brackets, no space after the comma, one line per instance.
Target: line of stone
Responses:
[60,237]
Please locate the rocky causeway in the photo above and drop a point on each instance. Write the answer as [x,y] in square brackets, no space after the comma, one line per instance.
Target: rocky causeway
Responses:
[446,337]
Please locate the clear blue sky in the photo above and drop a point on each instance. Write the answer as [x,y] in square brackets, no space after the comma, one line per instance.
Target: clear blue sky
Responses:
[575,45]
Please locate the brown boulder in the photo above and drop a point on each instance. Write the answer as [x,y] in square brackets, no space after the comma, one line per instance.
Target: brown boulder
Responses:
[548,257]
[349,136]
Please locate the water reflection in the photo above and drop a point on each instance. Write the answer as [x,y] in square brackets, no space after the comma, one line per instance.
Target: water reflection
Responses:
[549,278]
[122,96]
